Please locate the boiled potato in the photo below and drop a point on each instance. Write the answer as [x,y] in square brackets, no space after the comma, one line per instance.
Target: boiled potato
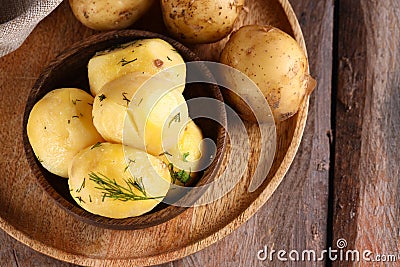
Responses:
[117,181]
[148,55]
[59,126]
[275,62]
[200,21]
[186,155]
[153,119]
[107,14]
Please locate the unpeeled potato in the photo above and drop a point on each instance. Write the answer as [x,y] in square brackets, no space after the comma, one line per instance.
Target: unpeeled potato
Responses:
[107,14]
[132,171]
[153,119]
[59,126]
[147,55]
[275,62]
[200,21]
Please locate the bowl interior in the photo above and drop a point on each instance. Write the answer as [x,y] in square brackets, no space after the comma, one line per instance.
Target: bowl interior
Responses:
[69,69]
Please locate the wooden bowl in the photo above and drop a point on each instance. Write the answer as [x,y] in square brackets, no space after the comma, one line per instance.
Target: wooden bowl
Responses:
[69,69]
[32,217]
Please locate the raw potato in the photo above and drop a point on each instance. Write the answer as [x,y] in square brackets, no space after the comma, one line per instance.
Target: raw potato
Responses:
[148,55]
[186,155]
[120,164]
[151,123]
[200,21]
[107,14]
[275,62]
[59,126]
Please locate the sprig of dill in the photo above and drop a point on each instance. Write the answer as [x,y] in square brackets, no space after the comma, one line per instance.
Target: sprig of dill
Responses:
[180,175]
[111,189]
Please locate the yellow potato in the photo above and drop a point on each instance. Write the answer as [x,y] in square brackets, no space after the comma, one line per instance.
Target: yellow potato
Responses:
[275,62]
[186,155]
[200,21]
[107,14]
[153,120]
[147,55]
[117,181]
[59,126]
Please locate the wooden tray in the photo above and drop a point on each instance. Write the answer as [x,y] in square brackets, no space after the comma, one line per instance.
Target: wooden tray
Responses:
[28,214]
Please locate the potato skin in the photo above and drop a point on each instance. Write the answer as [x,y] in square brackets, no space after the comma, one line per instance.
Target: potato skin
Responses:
[200,21]
[121,163]
[107,14]
[275,62]
[147,55]
[59,126]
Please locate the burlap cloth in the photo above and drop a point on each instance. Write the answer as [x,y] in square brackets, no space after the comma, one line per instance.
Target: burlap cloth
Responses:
[18,18]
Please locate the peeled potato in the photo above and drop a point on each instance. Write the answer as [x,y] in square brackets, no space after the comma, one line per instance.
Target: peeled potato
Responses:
[275,62]
[107,14]
[200,21]
[153,119]
[147,55]
[189,143]
[186,155]
[59,126]
[143,180]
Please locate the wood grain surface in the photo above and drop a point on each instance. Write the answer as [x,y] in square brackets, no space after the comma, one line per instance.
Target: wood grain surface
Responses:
[364,131]
[366,177]
[296,215]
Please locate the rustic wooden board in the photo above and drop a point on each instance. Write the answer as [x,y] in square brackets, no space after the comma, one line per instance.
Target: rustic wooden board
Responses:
[88,244]
[366,177]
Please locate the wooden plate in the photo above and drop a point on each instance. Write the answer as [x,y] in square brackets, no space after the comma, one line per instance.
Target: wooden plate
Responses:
[28,214]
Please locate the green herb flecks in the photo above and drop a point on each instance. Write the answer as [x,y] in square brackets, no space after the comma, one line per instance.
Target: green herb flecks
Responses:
[176,118]
[184,156]
[125,98]
[39,159]
[111,189]
[126,62]
[74,101]
[169,58]
[82,186]
[80,199]
[140,102]
[98,144]
[116,47]
[165,153]
[102,97]
[180,175]
[129,163]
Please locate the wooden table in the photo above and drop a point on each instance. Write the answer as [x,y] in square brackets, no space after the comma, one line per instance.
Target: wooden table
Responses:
[344,180]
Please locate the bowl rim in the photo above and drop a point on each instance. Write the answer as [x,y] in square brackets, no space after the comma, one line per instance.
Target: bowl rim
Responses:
[115,37]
